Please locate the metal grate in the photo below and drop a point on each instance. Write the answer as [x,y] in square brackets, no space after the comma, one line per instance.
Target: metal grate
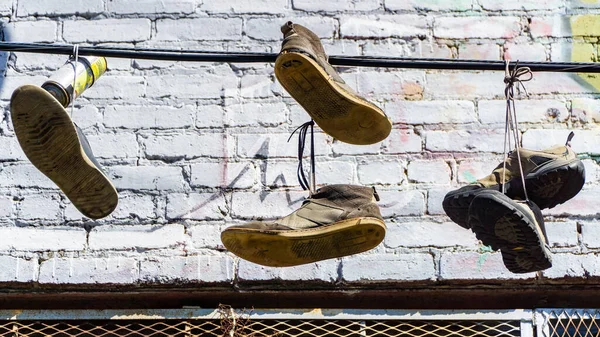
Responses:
[259,328]
[569,323]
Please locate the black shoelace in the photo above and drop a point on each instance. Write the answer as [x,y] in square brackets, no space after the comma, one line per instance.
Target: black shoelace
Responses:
[302,131]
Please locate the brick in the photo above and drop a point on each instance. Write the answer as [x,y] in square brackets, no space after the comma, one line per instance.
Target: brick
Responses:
[555,83]
[396,47]
[151,6]
[592,171]
[341,148]
[205,235]
[42,239]
[527,5]
[428,5]
[196,206]
[210,116]
[117,87]
[471,170]
[223,83]
[428,234]
[486,51]
[495,27]
[590,234]
[199,268]
[562,234]
[265,204]
[335,5]
[87,117]
[162,178]
[149,117]
[186,145]
[391,83]
[6,6]
[525,52]
[88,270]
[107,30]
[584,140]
[528,111]
[572,51]
[332,172]
[16,269]
[6,207]
[573,266]
[10,149]
[482,140]
[476,266]
[381,26]
[210,29]
[464,85]
[435,196]
[324,271]
[584,25]
[111,237]
[585,110]
[246,6]
[381,172]
[585,203]
[31,31]
[276,145]
[388,267]
[114,145]
[401,203]
[436,172]
[24,176]
[31,61]
[130,206]
[256,114]
[59,7]
[431,112]
[269,29]
[223,174]
[402,141]
[257,86]
[39,206]
[10,83]
[554,26]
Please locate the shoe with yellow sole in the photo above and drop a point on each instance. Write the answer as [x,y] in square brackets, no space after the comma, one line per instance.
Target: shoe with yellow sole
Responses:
[336,221]
[303,70]
[58,148]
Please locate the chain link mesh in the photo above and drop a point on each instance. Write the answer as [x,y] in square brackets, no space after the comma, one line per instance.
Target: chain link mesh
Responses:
[243,327]
[571,323]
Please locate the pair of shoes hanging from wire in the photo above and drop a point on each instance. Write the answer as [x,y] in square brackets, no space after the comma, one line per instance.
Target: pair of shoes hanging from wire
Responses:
[503,208]
[335,220]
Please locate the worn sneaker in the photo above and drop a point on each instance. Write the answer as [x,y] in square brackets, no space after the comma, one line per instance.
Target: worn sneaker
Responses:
[336,221]
[552,176]
[303,70]
[58,148]
[516,228]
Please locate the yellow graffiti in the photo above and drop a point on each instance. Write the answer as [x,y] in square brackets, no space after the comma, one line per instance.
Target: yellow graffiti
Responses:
[586,29]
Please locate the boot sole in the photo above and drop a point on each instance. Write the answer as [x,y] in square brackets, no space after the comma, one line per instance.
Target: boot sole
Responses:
[49,139]
[296,247]
[339,113]
[501,225]
[552,185]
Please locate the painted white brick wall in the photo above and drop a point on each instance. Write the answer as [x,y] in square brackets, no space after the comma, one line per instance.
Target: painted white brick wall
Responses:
[195,147]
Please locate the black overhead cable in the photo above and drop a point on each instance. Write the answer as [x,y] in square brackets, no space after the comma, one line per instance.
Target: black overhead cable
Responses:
[255,57]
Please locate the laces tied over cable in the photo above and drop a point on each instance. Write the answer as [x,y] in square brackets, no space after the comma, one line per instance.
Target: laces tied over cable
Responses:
[517,76]
[302,131]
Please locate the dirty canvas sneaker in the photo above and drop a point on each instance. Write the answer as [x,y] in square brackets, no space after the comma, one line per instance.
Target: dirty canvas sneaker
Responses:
[514,227]
[58,148]
[336,221]
[552,176]
[303,70]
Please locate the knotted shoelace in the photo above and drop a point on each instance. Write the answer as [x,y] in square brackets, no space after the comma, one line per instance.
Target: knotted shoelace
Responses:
[517,76]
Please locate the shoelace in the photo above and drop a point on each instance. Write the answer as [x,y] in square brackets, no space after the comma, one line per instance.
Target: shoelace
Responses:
[302,131]
[511,125]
